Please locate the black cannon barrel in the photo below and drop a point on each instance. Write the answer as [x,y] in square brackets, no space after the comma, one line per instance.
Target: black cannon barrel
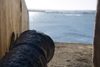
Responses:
[31,49]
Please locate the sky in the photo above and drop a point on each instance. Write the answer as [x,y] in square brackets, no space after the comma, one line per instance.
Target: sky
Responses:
[62,4]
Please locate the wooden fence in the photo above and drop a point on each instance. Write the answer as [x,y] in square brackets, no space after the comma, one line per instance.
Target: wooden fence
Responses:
[13,20]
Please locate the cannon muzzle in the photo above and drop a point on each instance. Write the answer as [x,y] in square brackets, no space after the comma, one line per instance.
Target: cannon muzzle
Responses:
[31,49]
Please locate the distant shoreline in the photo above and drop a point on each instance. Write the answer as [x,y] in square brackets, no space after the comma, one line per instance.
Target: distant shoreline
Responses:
[72,43]
[65,11]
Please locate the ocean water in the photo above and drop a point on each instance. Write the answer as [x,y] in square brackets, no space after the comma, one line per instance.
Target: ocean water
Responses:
[64,27]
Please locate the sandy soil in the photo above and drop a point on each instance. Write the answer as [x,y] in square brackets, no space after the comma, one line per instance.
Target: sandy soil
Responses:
[72,55]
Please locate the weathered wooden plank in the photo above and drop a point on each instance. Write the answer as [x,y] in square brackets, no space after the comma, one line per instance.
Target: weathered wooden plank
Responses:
[24,17]
[96,56]
[11,22]
[3,28]
[0,30]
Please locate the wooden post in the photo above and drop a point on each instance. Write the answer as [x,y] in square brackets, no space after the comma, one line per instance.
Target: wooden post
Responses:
[13,21]
[96,54]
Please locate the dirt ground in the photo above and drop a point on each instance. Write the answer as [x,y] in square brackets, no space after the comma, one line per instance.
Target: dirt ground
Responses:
[72,55]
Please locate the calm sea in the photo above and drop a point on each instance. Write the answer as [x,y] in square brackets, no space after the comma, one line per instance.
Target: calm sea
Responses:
[64,27]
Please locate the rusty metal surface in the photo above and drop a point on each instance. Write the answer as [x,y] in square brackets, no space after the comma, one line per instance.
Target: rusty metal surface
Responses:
[31,49]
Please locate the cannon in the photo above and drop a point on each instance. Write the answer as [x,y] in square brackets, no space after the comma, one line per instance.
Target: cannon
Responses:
[31,49]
